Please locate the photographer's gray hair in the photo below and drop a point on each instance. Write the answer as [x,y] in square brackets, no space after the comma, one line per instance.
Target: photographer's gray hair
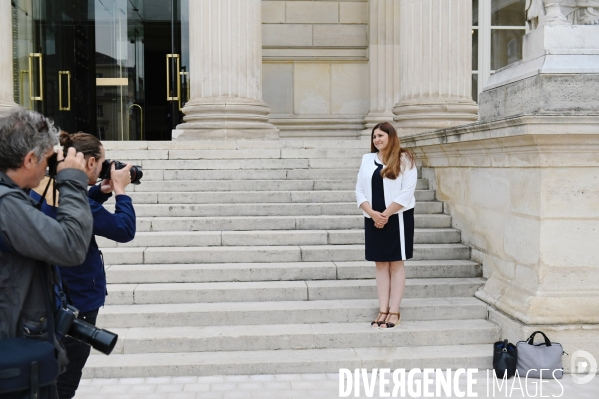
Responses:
[21,132]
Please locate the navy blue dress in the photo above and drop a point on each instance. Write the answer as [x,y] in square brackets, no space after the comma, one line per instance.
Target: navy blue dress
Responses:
[395,241]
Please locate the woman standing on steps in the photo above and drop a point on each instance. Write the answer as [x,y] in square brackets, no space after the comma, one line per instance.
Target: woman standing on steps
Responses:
[385,192]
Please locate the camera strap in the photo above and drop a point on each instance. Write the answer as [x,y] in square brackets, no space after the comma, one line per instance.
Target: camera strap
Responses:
[48,301]
[51,182]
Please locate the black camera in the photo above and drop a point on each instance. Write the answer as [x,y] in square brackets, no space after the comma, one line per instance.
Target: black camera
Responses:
[67,323]
[53,161]
[136,172]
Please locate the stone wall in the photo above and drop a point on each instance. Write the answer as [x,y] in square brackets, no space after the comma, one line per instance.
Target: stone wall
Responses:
[523,192]
[315,66]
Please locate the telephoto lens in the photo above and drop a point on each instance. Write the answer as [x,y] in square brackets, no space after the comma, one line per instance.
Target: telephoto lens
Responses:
[101,340]
[136,171]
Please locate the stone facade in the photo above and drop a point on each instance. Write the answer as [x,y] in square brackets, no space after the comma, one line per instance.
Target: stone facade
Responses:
[520,184]
[316,75]
[318,69]
[521,191]
[335,68]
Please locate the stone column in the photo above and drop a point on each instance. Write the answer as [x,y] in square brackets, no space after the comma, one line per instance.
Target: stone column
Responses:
[6,77]
[435,65]
[225,72]
[383,62]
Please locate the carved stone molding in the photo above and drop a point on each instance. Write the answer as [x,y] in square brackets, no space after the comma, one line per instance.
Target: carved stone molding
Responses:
[564,12]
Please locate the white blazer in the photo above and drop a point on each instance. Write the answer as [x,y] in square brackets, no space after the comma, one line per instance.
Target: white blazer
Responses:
[400,190]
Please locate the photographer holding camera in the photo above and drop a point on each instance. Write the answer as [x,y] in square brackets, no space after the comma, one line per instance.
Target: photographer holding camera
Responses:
[29,242]
[85,285]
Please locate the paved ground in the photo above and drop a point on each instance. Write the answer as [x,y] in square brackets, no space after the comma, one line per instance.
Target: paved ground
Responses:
[304,386]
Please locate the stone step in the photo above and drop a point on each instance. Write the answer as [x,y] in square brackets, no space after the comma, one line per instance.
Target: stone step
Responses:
[262,209]
[287,361]
[246,197]
[245,223]
[269,237]
[235,144]
[239,337]
[270,254]
[160,186]
[241,144]
[252,164]
[291,271]
[238,154]
[297,312]
[252,174]
[174,293]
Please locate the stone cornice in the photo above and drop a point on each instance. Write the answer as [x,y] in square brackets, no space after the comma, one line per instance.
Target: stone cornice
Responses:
[539,140]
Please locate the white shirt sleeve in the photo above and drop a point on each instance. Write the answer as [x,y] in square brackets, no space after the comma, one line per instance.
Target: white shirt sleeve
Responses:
[405,196]
[360,192]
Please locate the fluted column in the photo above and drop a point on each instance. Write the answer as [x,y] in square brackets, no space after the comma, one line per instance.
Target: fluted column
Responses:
[225,72]
[435,65]
[383,62]
[6,77]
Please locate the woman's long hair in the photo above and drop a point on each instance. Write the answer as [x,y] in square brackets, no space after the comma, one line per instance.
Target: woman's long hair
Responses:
[393,154]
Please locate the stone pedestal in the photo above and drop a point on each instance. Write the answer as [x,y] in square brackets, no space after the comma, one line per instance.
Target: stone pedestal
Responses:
[7,102]
[559,73]
[523,192]
[383,62]
[435,65]
[225,72]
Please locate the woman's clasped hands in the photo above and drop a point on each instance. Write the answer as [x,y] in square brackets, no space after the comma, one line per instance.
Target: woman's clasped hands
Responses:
[380,219]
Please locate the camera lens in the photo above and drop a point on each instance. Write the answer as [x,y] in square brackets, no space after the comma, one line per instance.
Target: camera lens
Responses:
[135,171]
[101,340]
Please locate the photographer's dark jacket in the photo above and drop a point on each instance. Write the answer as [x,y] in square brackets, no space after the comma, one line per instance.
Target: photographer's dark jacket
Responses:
[29,240]
[87,282]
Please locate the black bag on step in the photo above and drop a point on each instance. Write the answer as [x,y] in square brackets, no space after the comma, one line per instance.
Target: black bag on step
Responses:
[505,356]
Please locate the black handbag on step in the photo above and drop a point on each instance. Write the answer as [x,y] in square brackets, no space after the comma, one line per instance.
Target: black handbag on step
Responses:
[505,356]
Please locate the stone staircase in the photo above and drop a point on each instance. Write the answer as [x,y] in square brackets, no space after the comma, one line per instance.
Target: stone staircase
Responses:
[249,259]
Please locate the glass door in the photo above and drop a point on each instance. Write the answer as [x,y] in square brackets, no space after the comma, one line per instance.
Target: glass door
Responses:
[54,61]
[114,68]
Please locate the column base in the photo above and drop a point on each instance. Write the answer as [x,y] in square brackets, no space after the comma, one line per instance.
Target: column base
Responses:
[225,118]
[6,107]
[374,118]
[415,118]
[564,307]
[319,126]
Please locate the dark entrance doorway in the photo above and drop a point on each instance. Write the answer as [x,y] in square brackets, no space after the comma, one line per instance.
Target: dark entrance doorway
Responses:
[100,66]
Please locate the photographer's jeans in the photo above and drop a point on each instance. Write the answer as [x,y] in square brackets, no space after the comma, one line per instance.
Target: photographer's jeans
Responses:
[77,352]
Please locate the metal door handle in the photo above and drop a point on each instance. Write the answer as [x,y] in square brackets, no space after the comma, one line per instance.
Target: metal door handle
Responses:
[41,96]
[22,94]
[188,89]
[168,79]
[60,107]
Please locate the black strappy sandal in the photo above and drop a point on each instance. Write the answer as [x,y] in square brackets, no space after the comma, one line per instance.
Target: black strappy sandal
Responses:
[377,322]
[390,326]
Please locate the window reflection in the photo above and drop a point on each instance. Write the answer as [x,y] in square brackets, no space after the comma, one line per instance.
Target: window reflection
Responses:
[506,47]
[507,12]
